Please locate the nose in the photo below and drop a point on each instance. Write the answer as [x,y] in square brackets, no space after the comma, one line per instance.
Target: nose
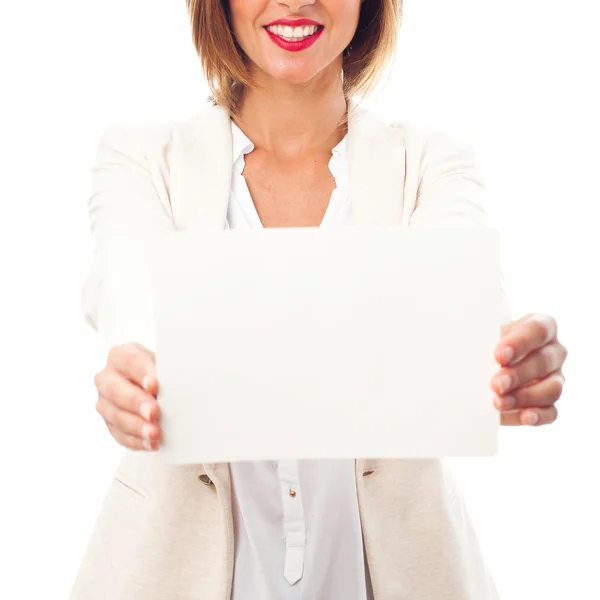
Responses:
[296,5]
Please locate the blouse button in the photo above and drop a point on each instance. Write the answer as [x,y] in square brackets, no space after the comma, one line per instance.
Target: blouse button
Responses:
[205,479]
[292,492]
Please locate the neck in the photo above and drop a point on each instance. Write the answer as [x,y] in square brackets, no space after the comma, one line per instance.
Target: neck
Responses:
[292,120]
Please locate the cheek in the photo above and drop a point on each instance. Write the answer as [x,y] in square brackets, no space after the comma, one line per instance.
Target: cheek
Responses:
[345,15]
[244,15]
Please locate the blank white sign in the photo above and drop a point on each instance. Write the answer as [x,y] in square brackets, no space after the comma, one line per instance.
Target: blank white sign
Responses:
[338,343]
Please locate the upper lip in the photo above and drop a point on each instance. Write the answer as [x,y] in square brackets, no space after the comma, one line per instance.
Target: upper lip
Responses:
[293,22]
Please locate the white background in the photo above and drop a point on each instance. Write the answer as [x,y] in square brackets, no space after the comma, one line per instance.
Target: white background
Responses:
[520,76]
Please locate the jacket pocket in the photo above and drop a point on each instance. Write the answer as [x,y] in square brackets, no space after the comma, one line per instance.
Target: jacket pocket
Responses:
[130,485]
[137,472]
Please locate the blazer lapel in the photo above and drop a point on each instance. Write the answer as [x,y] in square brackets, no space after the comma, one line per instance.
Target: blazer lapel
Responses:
[201,161]
[200,170]
[377,163]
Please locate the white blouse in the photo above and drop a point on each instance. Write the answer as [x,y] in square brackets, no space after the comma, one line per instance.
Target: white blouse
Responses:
[297,526]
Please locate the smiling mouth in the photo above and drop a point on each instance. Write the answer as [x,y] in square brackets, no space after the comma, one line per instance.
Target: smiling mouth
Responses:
[294,34]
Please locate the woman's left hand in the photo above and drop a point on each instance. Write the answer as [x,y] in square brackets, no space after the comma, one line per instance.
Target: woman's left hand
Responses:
[530,380]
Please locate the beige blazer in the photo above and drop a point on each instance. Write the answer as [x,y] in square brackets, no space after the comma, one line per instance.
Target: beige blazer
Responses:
[166,532]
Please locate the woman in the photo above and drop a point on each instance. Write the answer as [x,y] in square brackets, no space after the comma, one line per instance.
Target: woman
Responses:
[280,147]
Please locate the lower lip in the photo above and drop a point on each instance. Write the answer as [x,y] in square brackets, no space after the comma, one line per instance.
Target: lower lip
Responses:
[302,44]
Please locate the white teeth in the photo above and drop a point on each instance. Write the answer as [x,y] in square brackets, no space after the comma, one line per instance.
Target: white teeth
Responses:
[292,33]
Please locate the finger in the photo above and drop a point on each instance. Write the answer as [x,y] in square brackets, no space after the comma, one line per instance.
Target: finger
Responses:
[128,424]
[508,327]
[544,416]
[542,393]
[132,424]
[127,395]
[537,365]
[524,336]
[126,440]
[135,362]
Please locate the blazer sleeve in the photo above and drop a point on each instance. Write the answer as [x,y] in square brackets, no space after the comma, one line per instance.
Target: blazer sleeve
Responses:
[125,213]
[451,190]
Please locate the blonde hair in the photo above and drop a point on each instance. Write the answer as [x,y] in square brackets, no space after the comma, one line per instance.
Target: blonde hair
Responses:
[223,61]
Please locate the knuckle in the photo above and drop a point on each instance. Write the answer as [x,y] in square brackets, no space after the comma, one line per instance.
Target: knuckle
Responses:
[545,326]
[131,348]
[136,444]
[131,398]
[546,359]
[133,426]
[129,353]
[123,419]
[516,376]
[109,413]
[556,357]
[114,353]
[132,443]
[539,326]
[137,359]
[111,390]
[555,389]
[540,365]
[541,329]
[523,397]
[124,355]
[138,365]
[119,438]
[99,379]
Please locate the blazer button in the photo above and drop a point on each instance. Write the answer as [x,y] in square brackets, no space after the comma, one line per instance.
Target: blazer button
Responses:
[205,479]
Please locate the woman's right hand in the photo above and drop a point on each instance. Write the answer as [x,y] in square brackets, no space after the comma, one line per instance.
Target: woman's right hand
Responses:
[127,389]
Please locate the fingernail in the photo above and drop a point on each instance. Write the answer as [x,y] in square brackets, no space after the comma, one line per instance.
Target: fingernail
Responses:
[504,402]
[146,381]
[147,445]
[145,411]
[532,418]
[146,432]
[506,354]
[504,382]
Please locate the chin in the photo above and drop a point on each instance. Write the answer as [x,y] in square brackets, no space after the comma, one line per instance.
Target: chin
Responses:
[293,75]
[294,79]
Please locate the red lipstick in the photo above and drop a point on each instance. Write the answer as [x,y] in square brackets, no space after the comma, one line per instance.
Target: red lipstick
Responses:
[294,22]
[301,44]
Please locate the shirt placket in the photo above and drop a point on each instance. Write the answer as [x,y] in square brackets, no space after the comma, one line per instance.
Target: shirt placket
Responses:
[293,520]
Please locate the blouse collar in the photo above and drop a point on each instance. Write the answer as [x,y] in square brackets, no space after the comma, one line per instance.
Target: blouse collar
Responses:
[242,145]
